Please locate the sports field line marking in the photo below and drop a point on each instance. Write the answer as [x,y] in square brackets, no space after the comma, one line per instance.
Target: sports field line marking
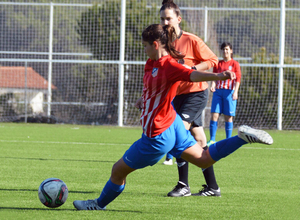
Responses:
[81,143]
[58,142]
[268,148]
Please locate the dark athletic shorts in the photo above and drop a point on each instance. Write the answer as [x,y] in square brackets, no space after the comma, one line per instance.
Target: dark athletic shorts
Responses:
[190,107]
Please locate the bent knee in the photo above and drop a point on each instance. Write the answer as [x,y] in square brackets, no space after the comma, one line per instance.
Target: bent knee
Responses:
[116,172]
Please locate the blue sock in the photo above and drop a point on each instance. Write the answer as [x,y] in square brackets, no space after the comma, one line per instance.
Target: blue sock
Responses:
[213,127]
[109,193]
[228,129]
[225,147]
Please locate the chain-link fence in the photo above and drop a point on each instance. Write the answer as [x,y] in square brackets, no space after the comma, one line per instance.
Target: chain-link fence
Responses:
[77,62]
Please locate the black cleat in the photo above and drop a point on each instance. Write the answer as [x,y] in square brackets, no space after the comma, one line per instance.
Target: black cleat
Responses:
[208,192]
[180,190]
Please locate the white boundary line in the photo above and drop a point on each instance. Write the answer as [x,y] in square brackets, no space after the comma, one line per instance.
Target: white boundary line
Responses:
[267,148]
[111,144]
[57,142]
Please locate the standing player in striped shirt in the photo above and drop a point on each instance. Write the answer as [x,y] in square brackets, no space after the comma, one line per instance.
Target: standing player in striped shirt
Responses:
[225,93]
[191,98]
[163,129]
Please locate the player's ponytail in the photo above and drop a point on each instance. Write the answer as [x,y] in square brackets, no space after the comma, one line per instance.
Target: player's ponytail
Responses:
[165,35]
[170,37]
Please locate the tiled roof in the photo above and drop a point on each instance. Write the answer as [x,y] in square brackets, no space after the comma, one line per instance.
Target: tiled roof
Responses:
[14,77]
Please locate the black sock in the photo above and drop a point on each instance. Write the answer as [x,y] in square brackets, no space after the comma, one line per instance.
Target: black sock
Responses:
[183,170]
[209,176]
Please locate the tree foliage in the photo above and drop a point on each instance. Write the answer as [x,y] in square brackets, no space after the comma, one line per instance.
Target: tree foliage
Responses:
[262,91]
[99,27]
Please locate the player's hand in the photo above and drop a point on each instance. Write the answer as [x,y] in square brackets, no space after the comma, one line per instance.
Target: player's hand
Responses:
[213,86]
[186,66]
[234,96]
[229,75]
[139,103]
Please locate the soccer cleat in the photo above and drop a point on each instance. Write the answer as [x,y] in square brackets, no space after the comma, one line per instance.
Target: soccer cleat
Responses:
[210,143]
[168,162]
[252,135]
[180,190]
[208,192]
[87,205]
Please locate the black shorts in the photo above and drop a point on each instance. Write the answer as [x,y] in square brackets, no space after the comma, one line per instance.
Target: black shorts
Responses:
[190,107]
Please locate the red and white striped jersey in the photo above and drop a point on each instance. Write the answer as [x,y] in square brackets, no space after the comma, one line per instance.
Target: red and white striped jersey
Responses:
[161,80]
[231,65]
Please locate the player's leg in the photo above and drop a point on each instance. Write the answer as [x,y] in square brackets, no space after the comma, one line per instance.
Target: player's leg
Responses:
[198,132]
[208,173]
[213,127]
[229,111]
[205,158]
[112,189]
[116,184]
[182,188]
[144,152]
[188,107]
[216,110]
[228,125]
[168,160]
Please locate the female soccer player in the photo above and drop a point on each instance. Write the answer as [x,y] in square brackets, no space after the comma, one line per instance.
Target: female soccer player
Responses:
[225,93]
[191,98]
[163,129]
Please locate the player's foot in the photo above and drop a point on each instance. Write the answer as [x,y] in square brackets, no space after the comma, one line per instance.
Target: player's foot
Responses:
[206,191]
[180,190]
[210,143]
[168,162]
[87,205]
[252,135]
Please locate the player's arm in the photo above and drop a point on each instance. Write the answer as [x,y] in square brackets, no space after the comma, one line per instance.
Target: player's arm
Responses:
[238,81]
[139,103]
[204,54]
[200,76]
[202,66]
[236,91]
[213,86]
[178,72]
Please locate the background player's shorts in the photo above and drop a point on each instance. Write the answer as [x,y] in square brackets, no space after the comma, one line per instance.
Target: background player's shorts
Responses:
[223,103]
[148,151]
[190,106]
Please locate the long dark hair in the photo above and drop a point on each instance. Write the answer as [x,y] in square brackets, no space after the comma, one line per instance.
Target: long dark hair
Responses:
[169,4]
[165,35]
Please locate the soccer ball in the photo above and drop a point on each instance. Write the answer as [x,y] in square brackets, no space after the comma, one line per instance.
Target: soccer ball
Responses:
[53,192]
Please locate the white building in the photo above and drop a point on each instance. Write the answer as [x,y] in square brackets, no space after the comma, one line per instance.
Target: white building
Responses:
[25,84]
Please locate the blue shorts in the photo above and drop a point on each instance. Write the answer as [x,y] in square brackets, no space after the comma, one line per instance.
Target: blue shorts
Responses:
[223,103]
[148,151]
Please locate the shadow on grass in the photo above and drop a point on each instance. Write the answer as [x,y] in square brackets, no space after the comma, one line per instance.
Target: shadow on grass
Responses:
[35,190]
[44,159]
[91,192]
[59,210]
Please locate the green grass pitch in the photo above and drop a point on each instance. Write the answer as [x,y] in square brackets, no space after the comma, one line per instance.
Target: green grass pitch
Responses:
[257,181]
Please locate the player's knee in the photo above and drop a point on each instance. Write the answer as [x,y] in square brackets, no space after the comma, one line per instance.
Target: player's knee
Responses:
[202,143]
[116,173]
[201,140]
[206,160]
